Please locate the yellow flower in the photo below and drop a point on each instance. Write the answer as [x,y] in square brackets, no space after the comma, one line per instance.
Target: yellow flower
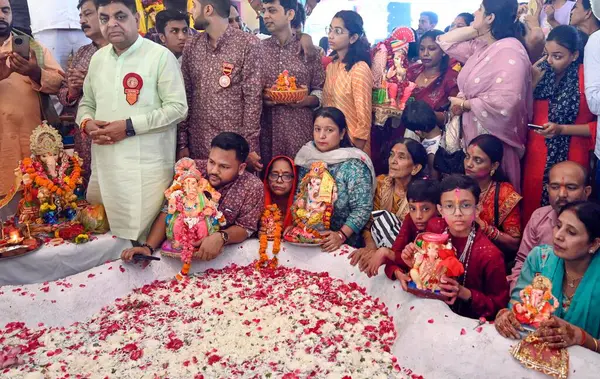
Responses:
[82,238]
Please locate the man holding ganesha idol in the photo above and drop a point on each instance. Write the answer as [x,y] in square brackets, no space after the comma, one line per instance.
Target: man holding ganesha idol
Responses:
[133,98]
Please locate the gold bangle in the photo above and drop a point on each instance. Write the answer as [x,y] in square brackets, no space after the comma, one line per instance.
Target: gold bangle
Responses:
[596,345]
[462,105]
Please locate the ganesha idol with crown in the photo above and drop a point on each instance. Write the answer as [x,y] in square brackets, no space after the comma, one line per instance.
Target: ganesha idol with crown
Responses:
[537,303]
[192,212]
[436,257]
[50,180]
[313,207]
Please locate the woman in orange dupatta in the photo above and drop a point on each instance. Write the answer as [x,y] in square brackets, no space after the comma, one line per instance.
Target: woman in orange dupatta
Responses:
[499,213]
[280,186]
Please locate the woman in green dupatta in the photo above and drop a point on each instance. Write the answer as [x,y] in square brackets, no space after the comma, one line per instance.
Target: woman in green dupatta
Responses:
[573,266]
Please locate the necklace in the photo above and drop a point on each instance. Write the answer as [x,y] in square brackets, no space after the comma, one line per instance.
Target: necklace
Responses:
[426,79]
[466,253]
[571,283]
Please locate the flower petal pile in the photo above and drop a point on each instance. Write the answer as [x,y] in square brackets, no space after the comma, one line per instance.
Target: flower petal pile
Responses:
[232,323]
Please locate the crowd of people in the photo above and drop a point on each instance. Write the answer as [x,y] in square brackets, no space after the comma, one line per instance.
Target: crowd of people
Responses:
[515,200]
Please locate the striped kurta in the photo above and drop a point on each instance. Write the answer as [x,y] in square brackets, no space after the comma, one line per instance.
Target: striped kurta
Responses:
[351,92]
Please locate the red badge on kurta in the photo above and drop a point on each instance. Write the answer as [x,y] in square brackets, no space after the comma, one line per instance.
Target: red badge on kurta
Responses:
[133,84]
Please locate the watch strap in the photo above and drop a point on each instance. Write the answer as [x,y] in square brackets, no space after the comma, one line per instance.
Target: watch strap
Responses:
[130,131]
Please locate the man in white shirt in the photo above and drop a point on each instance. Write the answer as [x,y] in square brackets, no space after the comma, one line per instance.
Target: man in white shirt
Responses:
[55,23]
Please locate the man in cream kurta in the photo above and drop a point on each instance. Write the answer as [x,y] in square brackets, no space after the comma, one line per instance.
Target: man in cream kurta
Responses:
[133,98]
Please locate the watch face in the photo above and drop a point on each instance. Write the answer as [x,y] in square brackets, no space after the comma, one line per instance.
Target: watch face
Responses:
[130,133]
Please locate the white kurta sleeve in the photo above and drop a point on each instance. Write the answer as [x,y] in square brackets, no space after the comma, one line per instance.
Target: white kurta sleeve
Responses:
[87,105]
[171,91]
[591,73]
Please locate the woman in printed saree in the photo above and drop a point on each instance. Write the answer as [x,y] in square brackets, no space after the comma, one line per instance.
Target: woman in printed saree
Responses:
[354,176]
[495,82]
[407,161]
[572,264]
[560,107]
[499,214]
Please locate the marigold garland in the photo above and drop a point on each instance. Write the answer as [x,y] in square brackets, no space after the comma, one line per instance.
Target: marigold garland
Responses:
[272,212]
[39,177]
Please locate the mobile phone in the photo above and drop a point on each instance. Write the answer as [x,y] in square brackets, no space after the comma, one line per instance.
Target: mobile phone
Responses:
[142,257]
[535,127]
[20,45]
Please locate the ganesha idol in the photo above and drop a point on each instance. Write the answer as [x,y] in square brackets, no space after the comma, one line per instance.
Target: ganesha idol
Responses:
[192,211]
[389,67]
[435,258]
[537,303]
[313,207]
[50,179]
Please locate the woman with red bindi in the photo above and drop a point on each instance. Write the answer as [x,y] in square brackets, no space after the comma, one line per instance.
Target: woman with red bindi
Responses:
[499,214]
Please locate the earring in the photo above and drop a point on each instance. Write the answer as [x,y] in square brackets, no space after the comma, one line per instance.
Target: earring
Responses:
[492,172]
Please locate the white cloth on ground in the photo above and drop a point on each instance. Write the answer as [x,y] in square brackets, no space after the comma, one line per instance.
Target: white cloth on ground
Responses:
[429,340]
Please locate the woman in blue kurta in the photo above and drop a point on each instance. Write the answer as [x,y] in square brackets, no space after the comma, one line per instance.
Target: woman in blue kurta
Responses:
[573,267]
[353,173]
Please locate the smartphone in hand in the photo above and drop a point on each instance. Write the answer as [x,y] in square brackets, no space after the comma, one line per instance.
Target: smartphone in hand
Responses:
[20,45]
[535,127]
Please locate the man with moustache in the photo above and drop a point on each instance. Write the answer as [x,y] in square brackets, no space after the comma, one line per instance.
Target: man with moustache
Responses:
[568,182]
[21,81]
[222,74]
[133,98]
[242,200]
[71,89]
[280,53]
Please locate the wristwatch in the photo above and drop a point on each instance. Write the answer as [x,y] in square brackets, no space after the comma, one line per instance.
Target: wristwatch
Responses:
[225,237]
[129,130]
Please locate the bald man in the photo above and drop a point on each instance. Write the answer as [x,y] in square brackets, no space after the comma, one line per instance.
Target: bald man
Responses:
[568,182]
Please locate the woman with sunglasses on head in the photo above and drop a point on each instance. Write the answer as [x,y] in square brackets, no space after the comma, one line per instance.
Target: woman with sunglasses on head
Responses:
[495,82]
[482,290]
[349,81]
[572,265]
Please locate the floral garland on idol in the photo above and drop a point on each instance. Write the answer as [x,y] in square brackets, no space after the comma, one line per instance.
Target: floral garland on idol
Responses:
[271,229]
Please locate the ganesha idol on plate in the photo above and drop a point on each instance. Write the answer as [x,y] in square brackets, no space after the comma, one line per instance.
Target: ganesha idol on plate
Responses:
[313,207]
[537,303]
[436,257]
[192,211]
[50,180]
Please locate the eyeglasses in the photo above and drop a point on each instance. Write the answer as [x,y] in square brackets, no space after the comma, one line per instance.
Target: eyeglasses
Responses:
[465,209]
[274,177]
[337,31]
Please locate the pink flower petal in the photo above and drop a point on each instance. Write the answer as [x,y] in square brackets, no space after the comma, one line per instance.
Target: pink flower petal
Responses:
[463,332]
[430,321]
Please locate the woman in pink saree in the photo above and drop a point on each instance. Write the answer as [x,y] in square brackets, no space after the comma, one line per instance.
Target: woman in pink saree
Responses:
[495,83]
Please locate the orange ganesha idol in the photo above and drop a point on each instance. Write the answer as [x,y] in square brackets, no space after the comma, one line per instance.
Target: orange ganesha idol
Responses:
[436,257]
[537,304]
[313,207]
[286,90]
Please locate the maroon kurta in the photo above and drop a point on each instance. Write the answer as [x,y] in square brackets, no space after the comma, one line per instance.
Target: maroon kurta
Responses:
[212,108]
[242,201]
[486,277]
[285,129]
[83,146]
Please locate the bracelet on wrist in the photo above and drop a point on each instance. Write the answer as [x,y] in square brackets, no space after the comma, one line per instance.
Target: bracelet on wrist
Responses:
[342,236]
[149,248]
[583,337]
